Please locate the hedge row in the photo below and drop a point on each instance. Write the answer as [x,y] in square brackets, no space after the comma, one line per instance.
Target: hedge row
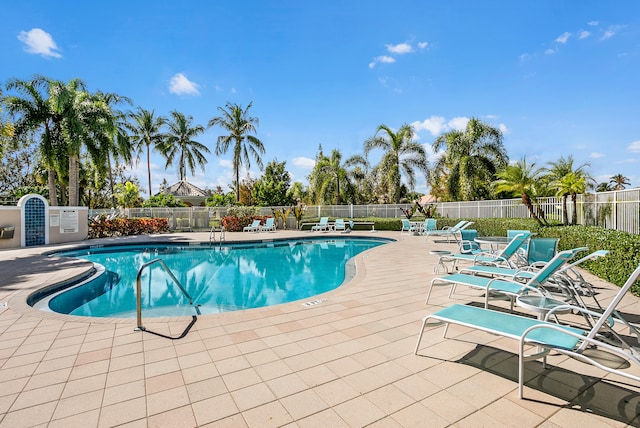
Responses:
[624,248]
[102,227]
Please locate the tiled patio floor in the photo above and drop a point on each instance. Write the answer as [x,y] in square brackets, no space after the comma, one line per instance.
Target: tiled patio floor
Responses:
[345,362]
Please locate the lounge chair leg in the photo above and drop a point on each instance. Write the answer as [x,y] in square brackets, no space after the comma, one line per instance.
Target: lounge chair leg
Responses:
[521,370]
[424,322]
[429,293]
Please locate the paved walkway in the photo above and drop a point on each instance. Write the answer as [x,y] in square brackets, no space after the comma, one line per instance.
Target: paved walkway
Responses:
[345,362]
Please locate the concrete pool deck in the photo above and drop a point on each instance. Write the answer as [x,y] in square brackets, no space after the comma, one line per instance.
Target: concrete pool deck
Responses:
[346,361]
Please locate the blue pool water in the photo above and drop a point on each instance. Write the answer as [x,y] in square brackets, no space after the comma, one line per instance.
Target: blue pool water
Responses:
[218,278]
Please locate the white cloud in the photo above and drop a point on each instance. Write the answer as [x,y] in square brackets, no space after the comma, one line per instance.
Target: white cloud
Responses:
[225,163]
[525,57]
[583,34]
[563,38]
[611,31]
[596,155]
[302,162]
[550,51]
[180,85]
[422,45]
[634,147]
[458,123]
[593,23]
[381,59]
[435,125]
[503,128]
[38,41]
[399,49]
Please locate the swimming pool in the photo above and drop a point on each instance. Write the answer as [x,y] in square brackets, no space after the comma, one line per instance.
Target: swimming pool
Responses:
[219,278]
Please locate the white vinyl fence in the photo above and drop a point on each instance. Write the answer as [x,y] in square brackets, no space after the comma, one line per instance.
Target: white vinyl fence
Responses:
[614,210]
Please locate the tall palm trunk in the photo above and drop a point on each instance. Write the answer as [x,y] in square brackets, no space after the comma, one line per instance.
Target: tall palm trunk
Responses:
[565,215]
[113,196]
[74,185]
[526,200]
[574,214]
[149,166]
[53,193]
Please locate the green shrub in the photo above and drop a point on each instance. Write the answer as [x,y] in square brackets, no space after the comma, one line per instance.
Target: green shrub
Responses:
[103,227]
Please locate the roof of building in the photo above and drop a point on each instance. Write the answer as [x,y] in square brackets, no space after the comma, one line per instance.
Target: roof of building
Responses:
[182,188]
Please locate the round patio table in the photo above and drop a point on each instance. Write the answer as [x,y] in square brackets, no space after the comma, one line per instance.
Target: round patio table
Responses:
[440,253]
[540,304]
[494,242]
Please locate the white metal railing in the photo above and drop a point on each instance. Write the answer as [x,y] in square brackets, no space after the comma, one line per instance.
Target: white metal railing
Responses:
[614,210]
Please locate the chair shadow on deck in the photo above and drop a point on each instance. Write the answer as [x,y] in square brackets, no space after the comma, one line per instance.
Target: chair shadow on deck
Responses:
[581,392]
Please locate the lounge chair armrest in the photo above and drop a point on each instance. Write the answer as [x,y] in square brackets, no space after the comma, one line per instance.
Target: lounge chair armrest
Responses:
[585,341]
[520,273]
[496,259]
[567,307]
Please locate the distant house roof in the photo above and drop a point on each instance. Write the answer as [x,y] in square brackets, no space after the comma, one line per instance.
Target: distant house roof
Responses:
[186,192]
[183,188]
[427,199]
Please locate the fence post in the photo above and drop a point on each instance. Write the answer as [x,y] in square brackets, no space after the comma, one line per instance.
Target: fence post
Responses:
[615,210]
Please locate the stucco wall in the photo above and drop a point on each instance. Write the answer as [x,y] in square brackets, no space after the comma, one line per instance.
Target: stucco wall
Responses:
[55,237]
[10,216]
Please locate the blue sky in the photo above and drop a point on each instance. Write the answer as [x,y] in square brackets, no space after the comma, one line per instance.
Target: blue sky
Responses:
[558,77]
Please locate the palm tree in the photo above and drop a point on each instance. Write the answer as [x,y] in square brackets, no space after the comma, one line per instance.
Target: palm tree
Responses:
[604,187]
[146,133]
[6,129]
[472,157]
[82,119]
[520,179]
[564,178]
[619,181]
[331,177]
[180,143]
[402,156]
[572,183]
[116,141]
[34,115]
[239,125]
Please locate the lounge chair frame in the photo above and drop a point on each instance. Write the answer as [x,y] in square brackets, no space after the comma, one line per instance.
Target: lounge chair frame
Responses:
[544,335]
[510,287]
[449,231]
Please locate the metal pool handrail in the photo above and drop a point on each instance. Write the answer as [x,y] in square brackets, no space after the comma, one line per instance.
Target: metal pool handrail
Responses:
[139,288]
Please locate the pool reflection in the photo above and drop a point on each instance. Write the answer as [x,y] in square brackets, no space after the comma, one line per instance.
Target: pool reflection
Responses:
[218,279]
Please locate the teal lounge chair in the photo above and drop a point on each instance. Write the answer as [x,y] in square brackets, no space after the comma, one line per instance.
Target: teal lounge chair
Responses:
[539,252]
[429,225]
[545,336]
[253,227]
[323,225]
[449,231]
[503,258]
[509,287]
[407,227]
[513,232]
[269,225]
[339,225]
